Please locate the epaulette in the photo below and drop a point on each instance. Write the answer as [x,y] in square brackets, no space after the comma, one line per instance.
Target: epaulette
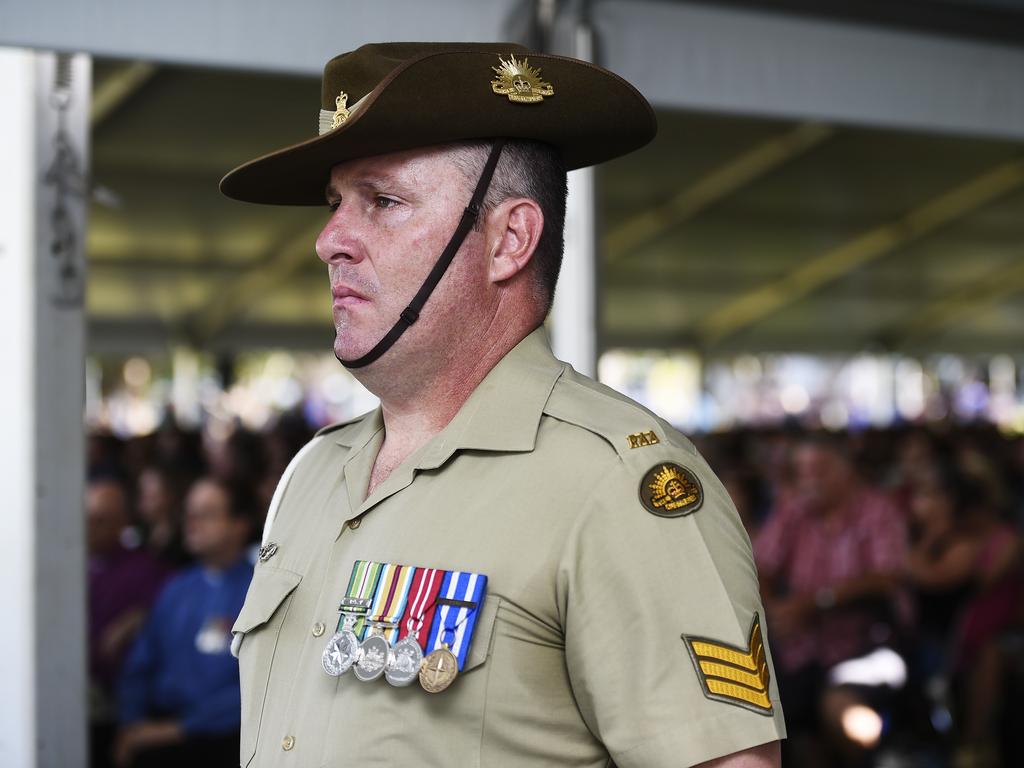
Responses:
[625,424]
[664,463]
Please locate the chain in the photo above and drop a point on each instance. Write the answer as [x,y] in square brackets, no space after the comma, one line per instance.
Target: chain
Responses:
[67,177]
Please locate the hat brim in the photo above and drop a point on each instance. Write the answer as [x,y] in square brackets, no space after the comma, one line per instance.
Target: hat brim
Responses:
[593,116]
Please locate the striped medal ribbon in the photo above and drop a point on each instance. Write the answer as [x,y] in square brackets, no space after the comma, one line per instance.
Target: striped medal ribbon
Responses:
[407,654]
[362,585]
[382,621]
[343,649]
[458,606]
[389,602]
[421,606]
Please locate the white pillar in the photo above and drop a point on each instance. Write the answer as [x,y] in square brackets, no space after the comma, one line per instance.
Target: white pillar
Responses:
[574,314]
[43,154]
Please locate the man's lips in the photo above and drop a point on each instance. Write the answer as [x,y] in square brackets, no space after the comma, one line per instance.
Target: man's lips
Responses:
[345,296]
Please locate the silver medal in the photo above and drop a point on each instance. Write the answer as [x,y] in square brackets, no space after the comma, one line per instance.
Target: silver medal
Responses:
[342,652]
[404,665]
[373,658]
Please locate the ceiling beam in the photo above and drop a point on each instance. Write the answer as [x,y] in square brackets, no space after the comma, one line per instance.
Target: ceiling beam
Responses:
[713,187]
[945,311]
[257,281]
[713,57]
[117,88]
[869,246]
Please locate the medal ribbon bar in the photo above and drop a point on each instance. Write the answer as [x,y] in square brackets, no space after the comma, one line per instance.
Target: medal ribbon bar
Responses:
[454,624]
[362,584]
[389,600]
[421,605]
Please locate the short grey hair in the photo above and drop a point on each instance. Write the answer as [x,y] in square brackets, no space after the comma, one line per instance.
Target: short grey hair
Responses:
[526,169]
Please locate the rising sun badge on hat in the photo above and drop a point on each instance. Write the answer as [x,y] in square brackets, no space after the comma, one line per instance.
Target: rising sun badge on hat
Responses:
[595,116]
[520,82]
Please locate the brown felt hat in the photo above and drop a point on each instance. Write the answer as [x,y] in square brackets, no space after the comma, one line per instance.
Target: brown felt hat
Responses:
[387,97]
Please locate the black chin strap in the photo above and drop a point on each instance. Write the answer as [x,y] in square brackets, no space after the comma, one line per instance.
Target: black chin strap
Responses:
[412,312]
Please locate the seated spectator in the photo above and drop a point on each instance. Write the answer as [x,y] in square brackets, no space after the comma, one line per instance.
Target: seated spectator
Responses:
[123,583]
[179,695]
[990,629]
[160,509]
[830,557]
[941,564]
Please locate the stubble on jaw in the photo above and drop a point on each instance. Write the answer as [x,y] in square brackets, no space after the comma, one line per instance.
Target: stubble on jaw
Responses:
[351,278]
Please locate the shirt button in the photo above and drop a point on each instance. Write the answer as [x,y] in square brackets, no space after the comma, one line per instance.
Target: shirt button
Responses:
[318,629]
[355,523]
[287,743]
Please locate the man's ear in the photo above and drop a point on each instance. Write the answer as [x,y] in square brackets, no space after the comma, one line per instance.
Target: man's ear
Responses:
[514,227]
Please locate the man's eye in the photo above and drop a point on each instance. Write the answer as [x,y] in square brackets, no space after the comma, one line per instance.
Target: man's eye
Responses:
[384,202]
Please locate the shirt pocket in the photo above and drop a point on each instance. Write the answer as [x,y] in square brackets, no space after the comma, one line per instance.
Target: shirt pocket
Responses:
[259,623]
[480,649]
[408,726]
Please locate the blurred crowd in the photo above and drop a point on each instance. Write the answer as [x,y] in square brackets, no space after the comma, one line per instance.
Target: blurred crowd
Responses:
[173,524]
[890,563]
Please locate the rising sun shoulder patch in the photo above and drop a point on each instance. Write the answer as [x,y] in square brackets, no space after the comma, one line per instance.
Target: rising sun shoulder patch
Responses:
[733,675]
[669,490]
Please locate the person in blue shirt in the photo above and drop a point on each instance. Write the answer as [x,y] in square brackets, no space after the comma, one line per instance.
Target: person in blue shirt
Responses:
[179,696]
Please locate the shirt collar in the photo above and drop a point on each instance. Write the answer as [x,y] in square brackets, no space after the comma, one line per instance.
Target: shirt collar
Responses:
[368,426]
[501,414]
[504,411]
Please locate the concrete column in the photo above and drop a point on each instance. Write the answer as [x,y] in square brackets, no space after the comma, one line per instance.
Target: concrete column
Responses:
[43,154]
[574,316]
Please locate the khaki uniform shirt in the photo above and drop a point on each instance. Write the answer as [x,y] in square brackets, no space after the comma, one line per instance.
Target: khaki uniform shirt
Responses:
[609,634]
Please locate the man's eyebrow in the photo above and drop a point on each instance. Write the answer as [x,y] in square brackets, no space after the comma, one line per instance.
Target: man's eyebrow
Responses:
[374,181]
[378,181]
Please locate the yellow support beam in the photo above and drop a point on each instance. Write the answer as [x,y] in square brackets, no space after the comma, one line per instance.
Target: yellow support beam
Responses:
[259,280]
[863,249]
[993,288]
[714,186]
[116,89]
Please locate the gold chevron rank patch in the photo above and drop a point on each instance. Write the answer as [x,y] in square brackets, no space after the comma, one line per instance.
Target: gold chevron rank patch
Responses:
[734,675]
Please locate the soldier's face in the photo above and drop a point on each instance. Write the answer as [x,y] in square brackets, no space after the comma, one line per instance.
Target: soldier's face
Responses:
[391,217]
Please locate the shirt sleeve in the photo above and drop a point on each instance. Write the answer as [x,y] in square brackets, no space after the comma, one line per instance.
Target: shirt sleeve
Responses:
[138,676]
[665,639]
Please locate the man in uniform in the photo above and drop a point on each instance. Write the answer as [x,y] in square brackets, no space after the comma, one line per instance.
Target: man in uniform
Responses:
[621,622]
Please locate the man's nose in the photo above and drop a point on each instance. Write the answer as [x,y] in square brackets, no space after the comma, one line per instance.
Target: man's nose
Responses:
[336,243]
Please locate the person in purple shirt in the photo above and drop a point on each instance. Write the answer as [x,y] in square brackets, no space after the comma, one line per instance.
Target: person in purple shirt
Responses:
[179,693]
[123,583]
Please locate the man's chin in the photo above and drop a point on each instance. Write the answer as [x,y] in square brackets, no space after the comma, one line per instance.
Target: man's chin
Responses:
[348,348]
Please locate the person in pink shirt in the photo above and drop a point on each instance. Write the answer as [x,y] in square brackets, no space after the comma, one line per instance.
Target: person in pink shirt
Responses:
[830,558]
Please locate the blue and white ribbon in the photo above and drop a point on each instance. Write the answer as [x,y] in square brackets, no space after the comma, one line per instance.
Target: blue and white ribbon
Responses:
[458,605]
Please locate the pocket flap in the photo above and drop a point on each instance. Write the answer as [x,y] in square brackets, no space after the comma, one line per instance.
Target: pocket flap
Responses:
[480,648]
[269,587]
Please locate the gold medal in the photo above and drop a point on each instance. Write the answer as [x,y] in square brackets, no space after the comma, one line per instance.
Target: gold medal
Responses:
[439,669]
